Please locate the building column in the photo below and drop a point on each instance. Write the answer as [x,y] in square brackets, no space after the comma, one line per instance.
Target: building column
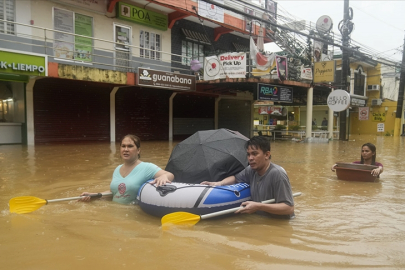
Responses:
[310,98]
[29,98]
[171,116]
[330,121]
[112,113]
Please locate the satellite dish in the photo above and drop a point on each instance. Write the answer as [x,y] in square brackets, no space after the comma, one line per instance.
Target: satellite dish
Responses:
[324,24]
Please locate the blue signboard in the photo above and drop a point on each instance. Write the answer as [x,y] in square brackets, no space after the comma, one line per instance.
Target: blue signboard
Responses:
[278,93]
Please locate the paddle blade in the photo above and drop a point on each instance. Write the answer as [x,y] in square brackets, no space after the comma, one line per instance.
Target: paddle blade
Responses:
[25,204]
[180,218]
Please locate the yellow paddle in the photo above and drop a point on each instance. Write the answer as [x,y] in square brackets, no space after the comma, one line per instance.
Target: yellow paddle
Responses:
[184,218]
[28,204]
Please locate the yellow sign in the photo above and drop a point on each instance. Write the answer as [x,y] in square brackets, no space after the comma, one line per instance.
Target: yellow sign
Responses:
[324,71]
[379,117]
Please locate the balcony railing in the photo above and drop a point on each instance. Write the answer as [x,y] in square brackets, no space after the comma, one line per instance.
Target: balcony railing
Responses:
[104,54]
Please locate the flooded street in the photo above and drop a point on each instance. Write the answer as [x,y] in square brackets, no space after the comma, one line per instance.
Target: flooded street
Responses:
[338,224]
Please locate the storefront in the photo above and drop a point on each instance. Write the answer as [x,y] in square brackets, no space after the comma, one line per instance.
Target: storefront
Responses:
[15,71]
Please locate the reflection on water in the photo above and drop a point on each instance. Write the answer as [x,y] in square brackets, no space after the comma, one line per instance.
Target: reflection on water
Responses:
[338,224]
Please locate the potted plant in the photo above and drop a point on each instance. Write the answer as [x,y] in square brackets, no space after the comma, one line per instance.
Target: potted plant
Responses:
[294,127]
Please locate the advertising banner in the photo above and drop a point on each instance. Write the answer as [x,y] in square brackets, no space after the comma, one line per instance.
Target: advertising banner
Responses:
[324,71]
[167,80]
[83,46]
[272,110]
[142,16]
[282,71]
[363,113]
[231,65]
[211,11]
[274,93]
[306,73]
[64,43]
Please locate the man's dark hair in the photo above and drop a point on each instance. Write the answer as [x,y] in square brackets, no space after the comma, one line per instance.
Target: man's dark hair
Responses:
[259,142]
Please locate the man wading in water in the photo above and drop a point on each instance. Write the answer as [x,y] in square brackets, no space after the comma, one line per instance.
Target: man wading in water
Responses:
[267,181]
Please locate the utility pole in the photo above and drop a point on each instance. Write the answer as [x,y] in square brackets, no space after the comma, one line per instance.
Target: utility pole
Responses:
[400,102]
[343,136]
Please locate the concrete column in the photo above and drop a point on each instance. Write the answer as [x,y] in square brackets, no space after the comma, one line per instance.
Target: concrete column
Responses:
[30,111]
[171,116]
[112,113]
[217,100]
[310,98]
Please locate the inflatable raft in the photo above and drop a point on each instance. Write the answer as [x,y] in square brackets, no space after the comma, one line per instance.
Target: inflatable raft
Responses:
[193,198]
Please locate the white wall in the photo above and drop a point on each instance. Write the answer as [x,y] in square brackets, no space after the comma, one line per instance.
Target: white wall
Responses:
[318,112]
[103,26]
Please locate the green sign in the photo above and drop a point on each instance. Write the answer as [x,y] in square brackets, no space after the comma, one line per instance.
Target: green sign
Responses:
[83,46]
[22,64]
[141,16]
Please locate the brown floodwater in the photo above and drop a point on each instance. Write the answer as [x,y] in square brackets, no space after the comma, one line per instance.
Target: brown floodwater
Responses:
[338,224]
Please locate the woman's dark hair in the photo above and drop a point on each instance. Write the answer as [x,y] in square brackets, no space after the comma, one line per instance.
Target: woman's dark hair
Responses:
[259,142]
[135,139]
[373,150]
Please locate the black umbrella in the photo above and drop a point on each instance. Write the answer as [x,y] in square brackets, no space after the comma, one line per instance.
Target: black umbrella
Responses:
[209,155]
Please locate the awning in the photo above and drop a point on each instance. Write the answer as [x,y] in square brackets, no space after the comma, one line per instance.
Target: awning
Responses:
[196,36]
[240,48]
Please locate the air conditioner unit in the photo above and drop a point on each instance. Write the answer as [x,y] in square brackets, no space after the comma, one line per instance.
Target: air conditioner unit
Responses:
[376,102]
[373,87]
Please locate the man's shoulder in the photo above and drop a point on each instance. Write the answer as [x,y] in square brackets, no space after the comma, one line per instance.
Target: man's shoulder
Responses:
[277,167]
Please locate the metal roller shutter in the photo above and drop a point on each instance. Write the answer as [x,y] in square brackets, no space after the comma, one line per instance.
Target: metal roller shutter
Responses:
[71,111]
[143,112]
[235,115]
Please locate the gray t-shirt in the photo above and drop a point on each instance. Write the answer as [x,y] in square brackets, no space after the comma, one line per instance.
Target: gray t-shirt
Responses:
[273,184]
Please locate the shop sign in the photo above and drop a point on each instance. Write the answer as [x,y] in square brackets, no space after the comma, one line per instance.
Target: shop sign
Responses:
[379,117]
[167,80]
[324,71]
[363,113]
[357,102]
[338,100]
[23,64]
[231,65]
[142,16]
[276,93]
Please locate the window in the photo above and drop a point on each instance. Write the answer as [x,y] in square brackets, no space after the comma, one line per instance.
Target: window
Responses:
[70,47]
[150,44]
[190,51]
[359,82]
[7,12]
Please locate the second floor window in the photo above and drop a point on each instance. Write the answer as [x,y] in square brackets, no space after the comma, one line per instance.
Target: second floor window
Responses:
[7,12]
[150,44]
[190,51]
[68,46]
[359,82]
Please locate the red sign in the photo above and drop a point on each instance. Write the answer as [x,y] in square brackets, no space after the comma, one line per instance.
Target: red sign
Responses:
[363,113]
